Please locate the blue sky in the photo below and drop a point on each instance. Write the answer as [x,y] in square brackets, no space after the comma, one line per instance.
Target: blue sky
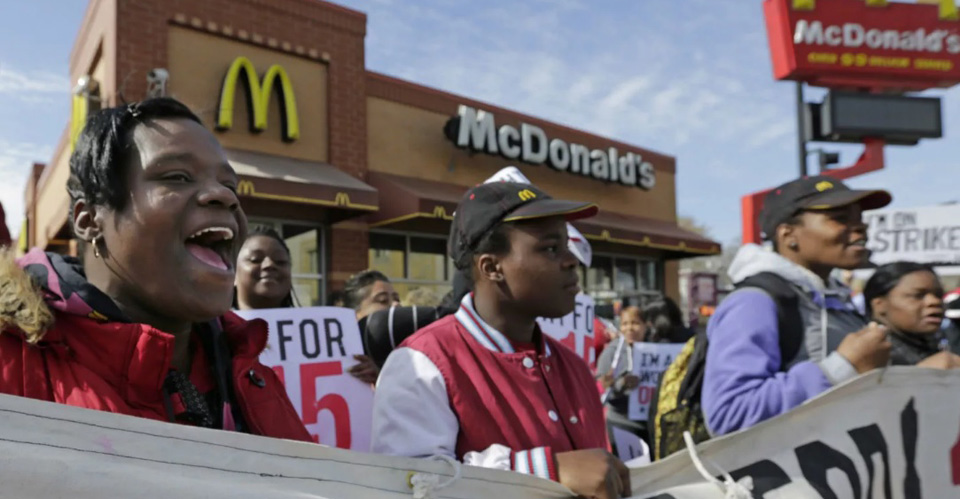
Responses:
[691,79]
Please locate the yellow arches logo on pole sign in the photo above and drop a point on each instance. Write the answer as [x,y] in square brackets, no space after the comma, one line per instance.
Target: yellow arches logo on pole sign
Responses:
[948,8]
[258,98]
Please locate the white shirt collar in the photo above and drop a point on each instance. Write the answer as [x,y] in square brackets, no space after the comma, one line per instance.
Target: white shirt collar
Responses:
[485,334]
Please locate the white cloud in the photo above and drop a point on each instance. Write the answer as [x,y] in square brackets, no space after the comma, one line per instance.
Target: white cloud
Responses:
[17,83]
[16,162]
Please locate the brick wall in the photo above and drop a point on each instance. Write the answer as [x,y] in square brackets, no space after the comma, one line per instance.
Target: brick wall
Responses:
[348,246]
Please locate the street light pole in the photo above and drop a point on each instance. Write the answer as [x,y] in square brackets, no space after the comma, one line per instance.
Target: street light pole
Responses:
[801,140]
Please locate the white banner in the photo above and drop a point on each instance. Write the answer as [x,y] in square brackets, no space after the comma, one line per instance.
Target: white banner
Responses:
[56,451]
[650,360]
[311,350]
[891,433]
[929,234]
[574,330]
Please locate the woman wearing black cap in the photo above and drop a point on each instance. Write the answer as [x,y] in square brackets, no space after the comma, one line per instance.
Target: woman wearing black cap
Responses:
[812,226]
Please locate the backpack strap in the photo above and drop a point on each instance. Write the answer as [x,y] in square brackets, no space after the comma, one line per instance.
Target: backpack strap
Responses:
[789,321]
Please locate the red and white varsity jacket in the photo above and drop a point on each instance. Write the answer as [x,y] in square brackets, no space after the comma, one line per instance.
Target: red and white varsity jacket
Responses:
[460,388]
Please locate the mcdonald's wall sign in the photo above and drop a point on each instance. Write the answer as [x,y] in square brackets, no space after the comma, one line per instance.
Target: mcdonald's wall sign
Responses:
[865,43]
[258,93]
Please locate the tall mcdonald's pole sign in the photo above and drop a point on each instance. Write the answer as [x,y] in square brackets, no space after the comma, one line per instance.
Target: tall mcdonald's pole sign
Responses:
[258,98]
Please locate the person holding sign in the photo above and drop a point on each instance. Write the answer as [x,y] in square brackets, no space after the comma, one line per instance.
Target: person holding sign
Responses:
[263,282]
[616,373]
[485,385]
[140,325]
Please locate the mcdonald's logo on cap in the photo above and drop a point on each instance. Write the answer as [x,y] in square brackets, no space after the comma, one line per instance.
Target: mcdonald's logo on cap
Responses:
[824,186]
[258,98]
[527,195]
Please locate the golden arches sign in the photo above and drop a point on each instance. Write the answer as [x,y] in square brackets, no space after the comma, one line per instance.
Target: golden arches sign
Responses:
[527,195]
[948,8]
[258,98]
[440,212]
[342,199]
[246,188]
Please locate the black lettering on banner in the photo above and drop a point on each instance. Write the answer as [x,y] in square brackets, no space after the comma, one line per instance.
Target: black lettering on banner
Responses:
[896,239]
[954,243]
[284,339]
[816,458]
[576,313]
[870,441]
[913,240]
[328,325]
[766,474]
[882,243]
[589,319]
[908,429]
[312,326]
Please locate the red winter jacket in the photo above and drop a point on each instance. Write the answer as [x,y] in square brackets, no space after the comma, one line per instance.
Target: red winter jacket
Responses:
[56,347]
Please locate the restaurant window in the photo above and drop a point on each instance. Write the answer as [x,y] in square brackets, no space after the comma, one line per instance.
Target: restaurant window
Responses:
[412,262]
[622,279]
[307,259]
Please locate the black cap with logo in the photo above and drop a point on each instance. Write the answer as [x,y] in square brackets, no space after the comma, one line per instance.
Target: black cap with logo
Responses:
[486,205]
[813,193]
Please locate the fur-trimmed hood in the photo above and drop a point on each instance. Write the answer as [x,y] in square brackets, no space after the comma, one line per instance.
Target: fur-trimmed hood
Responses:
[39,283]
[21,300]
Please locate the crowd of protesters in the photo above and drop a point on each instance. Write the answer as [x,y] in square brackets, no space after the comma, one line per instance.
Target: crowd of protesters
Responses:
[140,323]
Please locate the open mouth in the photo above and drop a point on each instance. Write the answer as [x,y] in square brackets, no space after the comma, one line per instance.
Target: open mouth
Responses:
[213,246]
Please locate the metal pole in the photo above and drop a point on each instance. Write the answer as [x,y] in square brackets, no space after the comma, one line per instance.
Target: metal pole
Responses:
[801,142]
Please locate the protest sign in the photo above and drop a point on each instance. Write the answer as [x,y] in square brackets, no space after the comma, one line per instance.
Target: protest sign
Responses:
[650,360]
[891,433]
[927,234]
[574,330]
[311,350]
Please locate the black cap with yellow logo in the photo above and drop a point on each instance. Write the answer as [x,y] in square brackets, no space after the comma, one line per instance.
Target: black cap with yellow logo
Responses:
[485,205]
[814,193]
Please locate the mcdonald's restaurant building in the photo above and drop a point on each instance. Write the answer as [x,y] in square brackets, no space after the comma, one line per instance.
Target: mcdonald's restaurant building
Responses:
[355,169]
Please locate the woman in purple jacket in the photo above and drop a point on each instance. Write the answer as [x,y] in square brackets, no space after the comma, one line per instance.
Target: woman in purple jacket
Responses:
[812,226]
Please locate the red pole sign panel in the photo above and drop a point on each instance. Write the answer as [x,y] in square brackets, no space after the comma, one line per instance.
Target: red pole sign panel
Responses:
[864,43]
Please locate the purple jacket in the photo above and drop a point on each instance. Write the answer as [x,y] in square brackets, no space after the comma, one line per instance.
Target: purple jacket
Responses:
[744,383]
